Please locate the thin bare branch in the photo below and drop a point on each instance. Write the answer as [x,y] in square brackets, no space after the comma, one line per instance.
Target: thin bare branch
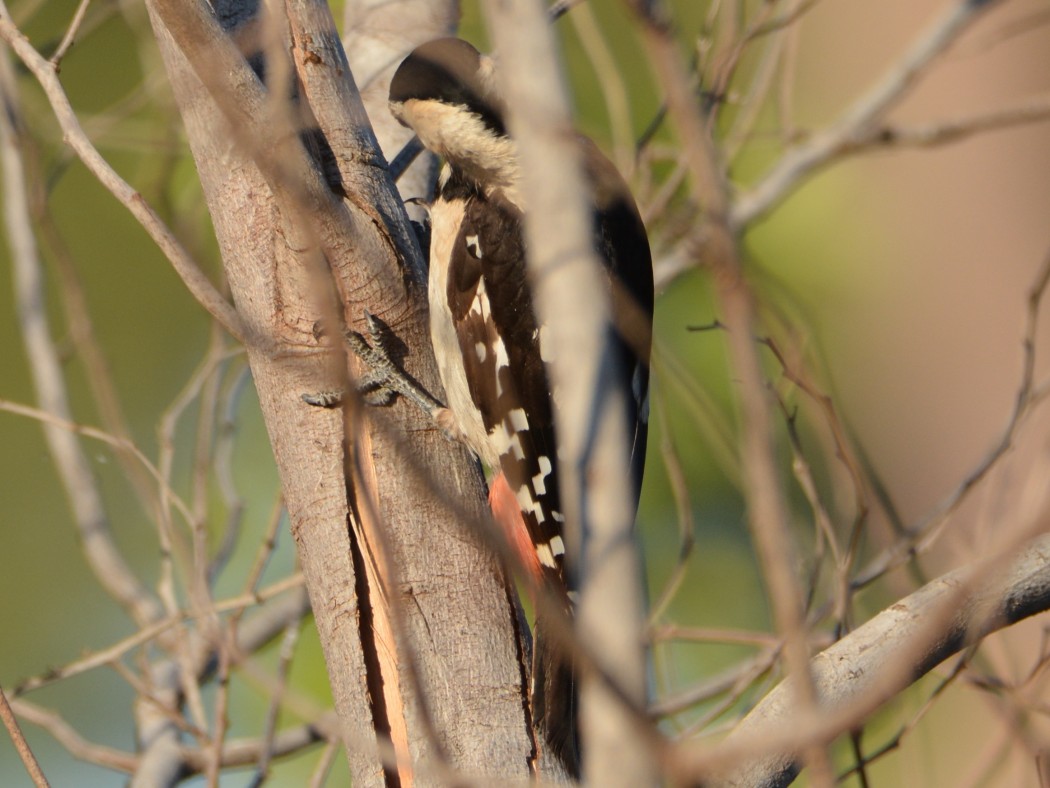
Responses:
[767,509]
[244,752]
[195,280]
[829,144]
[319,777]
[896,740]
[611,82]
[88,348]
[82,493]
[684,517]
[224,474]
[67,736]
[253,633]
[104,437]
[287,651]
[874,662]
[71,34]
[944,132]
[21,745]
[921,535]
[733,681]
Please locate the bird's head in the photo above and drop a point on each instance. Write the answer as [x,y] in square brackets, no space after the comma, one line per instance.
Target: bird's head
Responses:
[445,91]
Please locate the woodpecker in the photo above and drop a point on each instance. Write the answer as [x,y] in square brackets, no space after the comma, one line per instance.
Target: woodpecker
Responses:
[492,349]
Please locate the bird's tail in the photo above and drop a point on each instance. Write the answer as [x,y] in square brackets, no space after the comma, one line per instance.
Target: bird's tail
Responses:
[555,694]
[555,698]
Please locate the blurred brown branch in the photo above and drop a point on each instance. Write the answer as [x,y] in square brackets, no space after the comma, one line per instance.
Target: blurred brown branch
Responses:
[875,661]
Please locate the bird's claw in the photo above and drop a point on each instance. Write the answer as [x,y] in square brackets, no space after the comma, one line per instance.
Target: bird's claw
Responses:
[384,379]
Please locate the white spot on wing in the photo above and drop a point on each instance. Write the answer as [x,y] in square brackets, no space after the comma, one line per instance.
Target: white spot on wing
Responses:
[502,360]
[474,246]
[481,350]
[504,441]
[543,552]
[545,464]
[539,480]
[518,420]
[515,446]
[524,499]
[557,545]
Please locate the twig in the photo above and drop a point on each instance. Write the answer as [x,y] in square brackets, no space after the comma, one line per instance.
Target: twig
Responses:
[103,437]
[223,640]
[919,536]
[87,347]
[169,539]
[21,745]
[684,518]
[84,497]
[787,19]
[877,660]
[266,547]
[760,85]
[194,279]
[319,776]
[146,634]
[797,164]
[757,676]
[245,752]
[725,65]
[610,78]
[844,559]
[67,736]
[1007,31]
[71,33]
[767,510]
[910,725]
[224,451]
[732,680]
[1032,110]
[712,424]
[267,749]
[714,635]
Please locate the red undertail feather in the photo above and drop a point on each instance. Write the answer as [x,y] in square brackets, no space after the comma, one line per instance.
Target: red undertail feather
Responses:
[507,513]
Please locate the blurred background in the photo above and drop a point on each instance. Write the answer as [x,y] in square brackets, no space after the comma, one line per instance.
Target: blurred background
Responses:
[899,278]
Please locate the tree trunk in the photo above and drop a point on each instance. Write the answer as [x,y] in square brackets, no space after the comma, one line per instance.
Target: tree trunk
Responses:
[421,635]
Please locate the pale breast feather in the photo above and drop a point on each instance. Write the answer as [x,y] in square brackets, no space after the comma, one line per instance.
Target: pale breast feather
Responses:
[446,216]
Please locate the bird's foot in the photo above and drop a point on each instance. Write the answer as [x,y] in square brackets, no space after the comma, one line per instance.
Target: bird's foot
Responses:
[384,379]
